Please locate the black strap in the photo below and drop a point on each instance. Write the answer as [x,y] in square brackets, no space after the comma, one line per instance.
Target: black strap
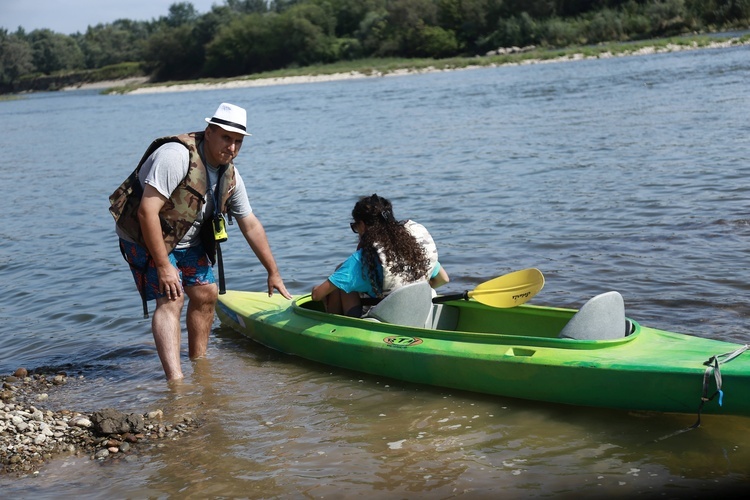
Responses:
[222,169]
[370,301]
[216,213]
[712,367]
[222,283]
[142,271]
[217,216]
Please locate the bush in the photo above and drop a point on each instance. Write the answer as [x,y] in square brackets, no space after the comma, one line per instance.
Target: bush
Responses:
[348,49]
[636,26]
[718,12]
[516,31]
[604,26]
[117,72]
[667,17]
[433,41]
[560,33]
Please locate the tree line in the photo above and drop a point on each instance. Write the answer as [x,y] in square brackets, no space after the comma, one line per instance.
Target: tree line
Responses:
[241,37]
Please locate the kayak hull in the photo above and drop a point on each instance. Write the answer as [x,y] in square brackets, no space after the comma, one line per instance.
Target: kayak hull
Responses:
[511,352]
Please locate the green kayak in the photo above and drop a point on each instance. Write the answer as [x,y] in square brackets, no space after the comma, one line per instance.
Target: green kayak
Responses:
[531,352]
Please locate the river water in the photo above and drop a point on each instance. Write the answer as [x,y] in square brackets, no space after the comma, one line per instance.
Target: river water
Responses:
[625,174]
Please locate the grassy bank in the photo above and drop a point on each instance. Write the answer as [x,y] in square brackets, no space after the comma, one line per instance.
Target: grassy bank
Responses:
[376,67]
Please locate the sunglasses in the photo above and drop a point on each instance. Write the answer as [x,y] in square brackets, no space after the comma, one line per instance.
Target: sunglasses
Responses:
[353,225]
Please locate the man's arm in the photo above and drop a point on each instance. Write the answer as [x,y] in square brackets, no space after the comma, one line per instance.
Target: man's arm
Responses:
[148,215]
[256,237]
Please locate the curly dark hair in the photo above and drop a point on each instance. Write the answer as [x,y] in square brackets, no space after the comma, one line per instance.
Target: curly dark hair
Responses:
[404,256]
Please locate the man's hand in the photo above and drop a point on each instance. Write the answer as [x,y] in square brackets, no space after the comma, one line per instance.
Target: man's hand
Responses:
[276,283]
[169,281]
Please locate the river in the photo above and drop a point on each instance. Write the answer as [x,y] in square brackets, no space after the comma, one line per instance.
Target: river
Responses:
[625,174]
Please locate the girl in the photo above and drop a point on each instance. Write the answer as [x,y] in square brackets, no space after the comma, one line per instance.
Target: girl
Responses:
[390,254]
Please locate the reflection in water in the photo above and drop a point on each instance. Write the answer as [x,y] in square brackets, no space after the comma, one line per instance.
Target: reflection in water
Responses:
[274,426]
[396,439]
[212,461]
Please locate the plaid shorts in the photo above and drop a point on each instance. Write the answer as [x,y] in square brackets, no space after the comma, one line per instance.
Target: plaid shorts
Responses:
[192,263]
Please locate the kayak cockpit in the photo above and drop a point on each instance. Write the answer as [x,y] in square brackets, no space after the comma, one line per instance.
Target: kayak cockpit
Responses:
[600,321]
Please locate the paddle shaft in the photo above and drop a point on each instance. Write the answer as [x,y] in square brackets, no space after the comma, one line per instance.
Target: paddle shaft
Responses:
[466,295]
[372,301]
[448,298]
[505,291]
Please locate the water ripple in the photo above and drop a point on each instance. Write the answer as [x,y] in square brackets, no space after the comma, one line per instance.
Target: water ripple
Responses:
[626,174]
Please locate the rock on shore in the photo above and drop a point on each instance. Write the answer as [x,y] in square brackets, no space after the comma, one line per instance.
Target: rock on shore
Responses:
[31,434]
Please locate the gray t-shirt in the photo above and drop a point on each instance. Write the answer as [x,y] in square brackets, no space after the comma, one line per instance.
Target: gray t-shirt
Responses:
[168,166]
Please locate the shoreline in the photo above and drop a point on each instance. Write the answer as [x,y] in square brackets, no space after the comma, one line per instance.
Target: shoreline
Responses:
[356,75]
[32,435]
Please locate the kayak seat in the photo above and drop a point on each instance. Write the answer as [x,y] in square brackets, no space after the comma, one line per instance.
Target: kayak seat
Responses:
[408,305]
[601,318]
[442,317]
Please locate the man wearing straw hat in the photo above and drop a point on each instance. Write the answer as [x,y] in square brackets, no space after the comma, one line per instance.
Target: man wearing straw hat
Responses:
[170,216]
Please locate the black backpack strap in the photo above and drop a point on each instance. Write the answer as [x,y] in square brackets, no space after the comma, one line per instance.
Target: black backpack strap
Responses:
[142,271]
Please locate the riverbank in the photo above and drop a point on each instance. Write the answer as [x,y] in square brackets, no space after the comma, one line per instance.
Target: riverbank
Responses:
[31,433]
[107,84]
[507,57]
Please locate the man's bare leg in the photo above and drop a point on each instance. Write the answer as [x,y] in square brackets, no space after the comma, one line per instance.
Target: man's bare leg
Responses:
[200,317]
[165,326]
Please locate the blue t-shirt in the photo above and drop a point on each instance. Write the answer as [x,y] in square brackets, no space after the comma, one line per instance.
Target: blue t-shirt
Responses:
[351,276]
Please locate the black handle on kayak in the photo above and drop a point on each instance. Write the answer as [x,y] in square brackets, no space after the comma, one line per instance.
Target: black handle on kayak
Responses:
[447,298]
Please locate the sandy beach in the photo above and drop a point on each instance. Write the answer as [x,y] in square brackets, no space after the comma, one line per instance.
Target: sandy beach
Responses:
[353,75]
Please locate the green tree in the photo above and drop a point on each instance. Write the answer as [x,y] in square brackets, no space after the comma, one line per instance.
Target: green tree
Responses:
[242,47]
[179,14]
[247,6]
[719,12]
[172,54]
[16,58]
[398,33]
[537,9]
[349,14]
[305,34]
[301,35]
[373,32]
[106,44]
[279,6]
[240,37]
[55,52]
[471,20]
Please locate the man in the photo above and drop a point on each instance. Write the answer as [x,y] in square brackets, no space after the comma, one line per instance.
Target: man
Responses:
[170,216]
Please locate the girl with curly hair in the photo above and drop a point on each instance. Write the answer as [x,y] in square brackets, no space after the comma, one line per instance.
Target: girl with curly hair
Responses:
[390,254]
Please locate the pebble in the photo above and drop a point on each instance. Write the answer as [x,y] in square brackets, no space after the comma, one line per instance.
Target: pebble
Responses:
[31,434]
